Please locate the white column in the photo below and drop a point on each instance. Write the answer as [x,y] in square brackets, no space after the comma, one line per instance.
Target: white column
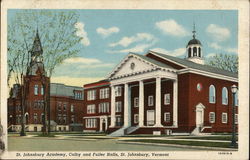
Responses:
[158,103]
[112,124]
[192,53]
[175,103]
[141,103]
[126,106]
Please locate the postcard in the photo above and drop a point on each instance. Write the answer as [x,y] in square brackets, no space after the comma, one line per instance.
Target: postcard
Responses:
[124,79]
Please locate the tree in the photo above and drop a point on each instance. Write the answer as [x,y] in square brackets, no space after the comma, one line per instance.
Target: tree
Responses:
[58,38]
[224,61]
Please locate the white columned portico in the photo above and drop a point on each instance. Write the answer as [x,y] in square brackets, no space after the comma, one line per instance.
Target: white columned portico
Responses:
[158,103]
[127,114]
[112,124]
[141,103]
[175,103]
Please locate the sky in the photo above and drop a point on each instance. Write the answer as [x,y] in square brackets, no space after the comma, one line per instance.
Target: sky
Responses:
[109,35]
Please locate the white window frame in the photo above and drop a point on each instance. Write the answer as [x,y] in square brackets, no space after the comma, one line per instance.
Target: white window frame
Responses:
[42,90]
[151,100]
[72,108]
[237,98]
[224,96]
[136,118]
[167,98]
[212,96]
[91,95]
[104,107]
[236,120]
[167,117]
[136,102]
[36,87]
[222,117]
[90,123]
[118,91]
[118,106]
[211,117]
[104,93]
[91,109]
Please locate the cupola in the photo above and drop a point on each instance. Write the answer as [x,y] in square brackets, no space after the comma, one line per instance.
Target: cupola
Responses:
[194,50]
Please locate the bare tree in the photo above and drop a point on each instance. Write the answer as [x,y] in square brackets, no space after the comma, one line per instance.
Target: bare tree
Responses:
[59,41]
[224,61]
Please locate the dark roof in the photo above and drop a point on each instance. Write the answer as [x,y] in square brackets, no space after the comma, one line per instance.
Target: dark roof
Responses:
[194,41]
[193,65]
[152,61]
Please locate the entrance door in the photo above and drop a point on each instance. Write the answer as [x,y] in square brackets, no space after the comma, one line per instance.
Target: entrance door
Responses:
[150,117]
[104,126]
[199,115]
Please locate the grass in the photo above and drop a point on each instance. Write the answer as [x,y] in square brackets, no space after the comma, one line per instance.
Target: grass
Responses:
[90,137]
[223,138]
[146,135]
[45,135]
[191,143]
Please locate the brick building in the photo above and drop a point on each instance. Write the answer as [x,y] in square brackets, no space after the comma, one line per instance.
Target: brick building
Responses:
[161,94]
[65,101]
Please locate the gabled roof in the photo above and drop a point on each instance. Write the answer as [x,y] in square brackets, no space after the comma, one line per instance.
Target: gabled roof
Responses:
[190,64]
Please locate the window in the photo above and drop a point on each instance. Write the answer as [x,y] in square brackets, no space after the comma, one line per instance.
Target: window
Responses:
[72,108]
[224,118]
[90,108]
[90,123]
[91,95]
[104,93]
[236,118]
[224,96]
[167,98]
[59,104]
[64,119]
[118,106]
[211,117]
[59,117]
[236,99]
[36,89]
[136,102]
[72,119]
[65,106]
[35,118]
[104,107]
[211,94]
[195,51]
[118,91]
[136,118]
[42,90]
[167,117]
[118,121]
[150,100]
[189,52]
[199,52]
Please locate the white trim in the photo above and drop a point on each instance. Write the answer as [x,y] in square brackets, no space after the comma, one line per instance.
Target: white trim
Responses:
[95,116]
[210,115]
[224,113]
[207,74]
[149,104]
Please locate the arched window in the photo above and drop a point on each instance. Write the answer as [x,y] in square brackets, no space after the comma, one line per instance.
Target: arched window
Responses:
[224,96]
[189,52]
[199,51]
[195,51]
[211,94]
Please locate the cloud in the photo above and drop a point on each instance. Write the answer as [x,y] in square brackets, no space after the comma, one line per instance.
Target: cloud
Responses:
[82,60]
[171,27]
[107,32]
[218,33]
[137,49]
[126,41]
[210,55]
[216,46]
[80,32]
[75,81]
[176,53]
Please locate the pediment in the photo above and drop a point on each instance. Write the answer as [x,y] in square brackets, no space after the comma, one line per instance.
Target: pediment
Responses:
[132,64]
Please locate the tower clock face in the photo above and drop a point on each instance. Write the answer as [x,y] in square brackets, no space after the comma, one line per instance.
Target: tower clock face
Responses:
[199,87]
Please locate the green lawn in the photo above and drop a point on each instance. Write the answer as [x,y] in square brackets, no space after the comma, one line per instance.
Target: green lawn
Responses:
[179,142]
[223,137]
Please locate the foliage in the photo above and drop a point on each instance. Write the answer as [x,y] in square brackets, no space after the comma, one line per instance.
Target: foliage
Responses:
[224,61]
[57,33]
